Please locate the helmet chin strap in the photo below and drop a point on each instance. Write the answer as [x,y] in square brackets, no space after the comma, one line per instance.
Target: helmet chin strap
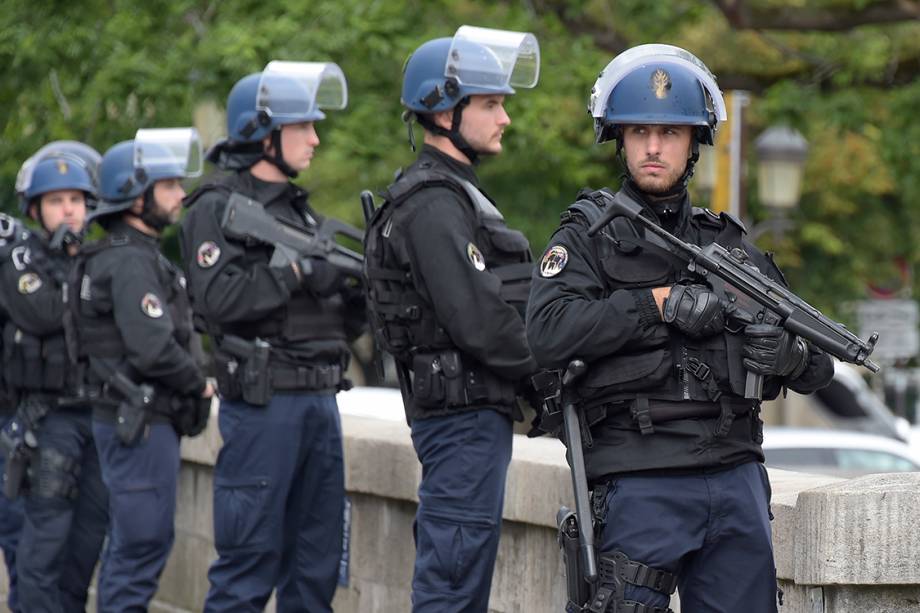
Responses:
[453,135]
[277,158]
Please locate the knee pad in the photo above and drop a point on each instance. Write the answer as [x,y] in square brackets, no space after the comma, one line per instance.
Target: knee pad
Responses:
[54,475]
[616,571]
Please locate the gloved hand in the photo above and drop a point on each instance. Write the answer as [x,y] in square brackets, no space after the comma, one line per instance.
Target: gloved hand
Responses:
[694,310]
[191,415]
[771,350]
[319,276]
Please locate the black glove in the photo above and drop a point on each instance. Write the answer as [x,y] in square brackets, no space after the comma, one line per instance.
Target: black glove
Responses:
[694,310]
[320,277]
[771,350]
[191,417]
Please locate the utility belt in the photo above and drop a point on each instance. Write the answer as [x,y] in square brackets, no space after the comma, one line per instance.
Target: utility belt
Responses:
[644,413]
[106,402]
[245,369]
[442,379]
[647,412]
[77,400]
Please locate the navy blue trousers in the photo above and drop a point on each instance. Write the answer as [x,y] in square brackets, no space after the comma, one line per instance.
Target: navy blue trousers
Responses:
[142,505]
[712,530]
[464,461]
[62,536]
[10,526]
[279,491]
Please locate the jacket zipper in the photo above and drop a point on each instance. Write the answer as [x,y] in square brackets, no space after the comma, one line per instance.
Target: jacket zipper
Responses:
[684,374]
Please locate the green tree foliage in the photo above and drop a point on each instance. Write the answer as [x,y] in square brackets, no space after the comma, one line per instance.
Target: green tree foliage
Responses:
[841,71]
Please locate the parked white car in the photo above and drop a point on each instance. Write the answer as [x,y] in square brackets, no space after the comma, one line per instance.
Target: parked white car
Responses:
[836,452]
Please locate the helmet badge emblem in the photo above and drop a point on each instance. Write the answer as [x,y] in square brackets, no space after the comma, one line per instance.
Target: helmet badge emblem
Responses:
[661,83]
[62,167]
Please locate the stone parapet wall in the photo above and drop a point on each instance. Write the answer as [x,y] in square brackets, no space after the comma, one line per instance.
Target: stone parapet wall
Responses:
[841,546]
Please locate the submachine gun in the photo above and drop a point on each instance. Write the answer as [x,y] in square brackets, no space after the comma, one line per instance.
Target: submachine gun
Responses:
[751,296]
[245,218]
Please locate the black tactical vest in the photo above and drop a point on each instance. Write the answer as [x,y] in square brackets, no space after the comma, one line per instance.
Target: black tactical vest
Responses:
[89,321]
[36,363]
[303,319]
[402,319]
[680,369]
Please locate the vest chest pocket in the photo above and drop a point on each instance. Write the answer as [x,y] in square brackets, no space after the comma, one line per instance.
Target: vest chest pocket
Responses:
[640,270]
[628,373]
[509,260]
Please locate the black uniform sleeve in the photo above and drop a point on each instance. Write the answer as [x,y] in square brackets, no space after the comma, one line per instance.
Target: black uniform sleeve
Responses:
[224,285]
[142,317]
[33,300]
[570,316]
[466,300]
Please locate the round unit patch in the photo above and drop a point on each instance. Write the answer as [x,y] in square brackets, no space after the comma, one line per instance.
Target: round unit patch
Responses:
[29,283]
[151,306]
[554,261]
[475,255]
[208,254]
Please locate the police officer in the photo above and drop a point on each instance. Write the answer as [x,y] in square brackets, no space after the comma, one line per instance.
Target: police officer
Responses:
[280,327]
[133,329]
[680,493]
[447,283]
[66,501]
[10,510]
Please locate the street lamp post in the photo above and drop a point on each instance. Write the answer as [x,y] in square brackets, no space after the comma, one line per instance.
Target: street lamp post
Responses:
[781,153]
[705,174]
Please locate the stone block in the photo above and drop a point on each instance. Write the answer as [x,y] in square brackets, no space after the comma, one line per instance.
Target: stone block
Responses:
[859,531]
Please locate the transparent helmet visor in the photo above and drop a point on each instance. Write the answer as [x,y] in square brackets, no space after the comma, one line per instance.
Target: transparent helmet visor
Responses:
[483,57]
[76,152]
[632,58]
[164,151]
[297,89]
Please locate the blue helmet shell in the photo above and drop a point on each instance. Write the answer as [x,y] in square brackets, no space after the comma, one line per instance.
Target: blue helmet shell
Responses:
[54,174]
[425,87]
[121,182]
[247,124]
[658,94]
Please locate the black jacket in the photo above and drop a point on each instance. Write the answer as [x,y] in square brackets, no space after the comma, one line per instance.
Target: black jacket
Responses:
[235,290]
[453,253]
[133,314]
[597,305]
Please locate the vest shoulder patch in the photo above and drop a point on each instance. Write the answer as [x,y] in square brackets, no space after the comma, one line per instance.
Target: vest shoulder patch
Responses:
[554,261]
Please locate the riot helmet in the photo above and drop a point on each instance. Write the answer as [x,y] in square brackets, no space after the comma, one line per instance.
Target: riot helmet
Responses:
[261,103]
[59,165]
[443,73]
[130,169]
[657,85]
